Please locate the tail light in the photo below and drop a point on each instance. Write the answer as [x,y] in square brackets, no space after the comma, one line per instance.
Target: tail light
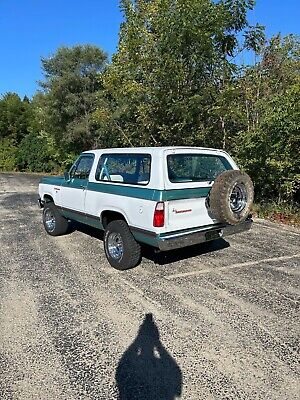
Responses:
[159,215]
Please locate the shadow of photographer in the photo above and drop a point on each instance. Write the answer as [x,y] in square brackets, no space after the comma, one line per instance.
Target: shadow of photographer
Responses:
[146,371]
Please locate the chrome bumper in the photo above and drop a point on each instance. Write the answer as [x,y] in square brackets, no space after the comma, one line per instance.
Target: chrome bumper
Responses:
[186,238]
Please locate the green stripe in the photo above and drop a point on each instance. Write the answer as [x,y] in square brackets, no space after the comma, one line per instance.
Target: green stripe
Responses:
[143,238]
[53,180]
[148,194]
[95,223]
[80,217]
[137,192]
[75,183]
[127,191]
[75,216]
[178,194]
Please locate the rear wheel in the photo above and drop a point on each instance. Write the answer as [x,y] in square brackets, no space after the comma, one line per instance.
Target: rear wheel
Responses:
[55,224]
[121,249]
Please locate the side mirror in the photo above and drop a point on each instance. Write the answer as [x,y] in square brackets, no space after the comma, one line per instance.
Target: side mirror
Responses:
[67,176]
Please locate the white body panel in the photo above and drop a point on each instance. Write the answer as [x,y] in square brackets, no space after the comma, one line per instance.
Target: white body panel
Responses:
[73,198]
[187,213]
[137,212]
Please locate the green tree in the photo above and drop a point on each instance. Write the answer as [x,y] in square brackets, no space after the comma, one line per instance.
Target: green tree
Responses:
[70,88]
[8,154]
[15,116]
[170,71]
[35,154]
[268,143]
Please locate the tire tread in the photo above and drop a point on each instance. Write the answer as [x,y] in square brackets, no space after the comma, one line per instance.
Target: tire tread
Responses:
[132,249]
[220,192]
[61,223]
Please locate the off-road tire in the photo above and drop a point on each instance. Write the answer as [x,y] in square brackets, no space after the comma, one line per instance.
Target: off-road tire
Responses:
[131,256]
[221,192]
[60,224]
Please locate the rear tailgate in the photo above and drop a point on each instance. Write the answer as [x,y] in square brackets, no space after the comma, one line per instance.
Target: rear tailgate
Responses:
[188,213]
[189,176]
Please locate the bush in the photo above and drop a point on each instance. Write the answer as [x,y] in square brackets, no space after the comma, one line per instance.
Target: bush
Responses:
[283,212]
[8,155]
[34,154]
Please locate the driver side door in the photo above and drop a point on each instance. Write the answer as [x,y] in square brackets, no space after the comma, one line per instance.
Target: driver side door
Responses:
[73,191]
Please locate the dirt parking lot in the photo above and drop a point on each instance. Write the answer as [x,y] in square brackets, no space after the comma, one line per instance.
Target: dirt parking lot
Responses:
[209,322]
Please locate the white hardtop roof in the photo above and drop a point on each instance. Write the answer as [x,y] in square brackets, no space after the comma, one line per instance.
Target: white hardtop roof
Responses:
[150,150]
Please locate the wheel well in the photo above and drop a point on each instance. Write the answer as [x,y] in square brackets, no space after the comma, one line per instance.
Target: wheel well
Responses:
[48,199]
[109,216]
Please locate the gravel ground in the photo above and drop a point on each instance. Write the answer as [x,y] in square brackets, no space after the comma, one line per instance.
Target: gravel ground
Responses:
[211,322]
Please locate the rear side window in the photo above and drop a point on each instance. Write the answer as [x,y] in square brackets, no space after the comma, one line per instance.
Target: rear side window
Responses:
[195,167]
[124,168]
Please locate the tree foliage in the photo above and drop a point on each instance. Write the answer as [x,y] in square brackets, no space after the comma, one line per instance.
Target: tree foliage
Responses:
[70,88]
[171,65]
[174,80]
[8,154]
[15,115]
[269,143]
[37,145]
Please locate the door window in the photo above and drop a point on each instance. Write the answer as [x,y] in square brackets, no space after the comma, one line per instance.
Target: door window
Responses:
[82,168]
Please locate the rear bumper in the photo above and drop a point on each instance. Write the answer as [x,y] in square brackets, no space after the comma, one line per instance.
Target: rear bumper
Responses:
[177,240]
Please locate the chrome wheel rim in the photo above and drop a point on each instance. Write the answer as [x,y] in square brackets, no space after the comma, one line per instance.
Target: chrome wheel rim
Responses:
[49,219]
[238,198]
[115,246]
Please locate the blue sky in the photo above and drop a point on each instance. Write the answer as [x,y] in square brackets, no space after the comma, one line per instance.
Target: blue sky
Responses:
[30,29]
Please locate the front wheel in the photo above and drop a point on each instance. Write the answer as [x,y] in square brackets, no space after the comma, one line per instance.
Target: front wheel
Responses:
[121,249]
[55,224]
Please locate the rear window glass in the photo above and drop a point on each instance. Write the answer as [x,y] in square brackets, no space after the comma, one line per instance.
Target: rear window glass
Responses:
[124,168]
[195,167]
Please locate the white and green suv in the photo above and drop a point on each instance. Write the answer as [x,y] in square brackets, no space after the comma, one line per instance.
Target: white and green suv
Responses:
[165,197]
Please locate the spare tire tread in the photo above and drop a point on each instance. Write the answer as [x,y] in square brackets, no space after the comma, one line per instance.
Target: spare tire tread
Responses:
[220,196]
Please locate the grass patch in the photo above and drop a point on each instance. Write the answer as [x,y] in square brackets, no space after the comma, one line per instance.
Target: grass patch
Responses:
[285,213]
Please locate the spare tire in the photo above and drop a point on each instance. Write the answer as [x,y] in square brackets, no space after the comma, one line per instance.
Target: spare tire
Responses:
[231,197]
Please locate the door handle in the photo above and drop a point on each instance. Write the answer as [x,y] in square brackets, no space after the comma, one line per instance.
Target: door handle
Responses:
[82,187]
